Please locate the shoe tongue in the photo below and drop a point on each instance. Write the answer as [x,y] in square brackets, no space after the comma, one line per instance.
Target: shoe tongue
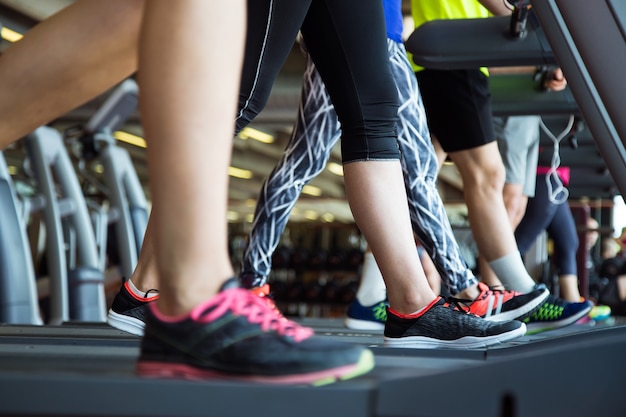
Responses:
[229,284]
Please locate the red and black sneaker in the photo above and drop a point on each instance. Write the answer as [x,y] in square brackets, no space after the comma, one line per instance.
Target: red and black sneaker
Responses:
[443,325]
[128,310]
[502,305]
[238,335]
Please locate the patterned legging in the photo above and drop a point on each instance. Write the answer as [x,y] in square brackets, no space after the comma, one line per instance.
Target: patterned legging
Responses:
[315,134]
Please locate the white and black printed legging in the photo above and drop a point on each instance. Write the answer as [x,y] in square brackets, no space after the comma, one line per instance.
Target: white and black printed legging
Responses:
[316,132]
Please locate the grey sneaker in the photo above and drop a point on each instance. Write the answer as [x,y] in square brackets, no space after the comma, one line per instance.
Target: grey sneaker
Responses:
[444,325]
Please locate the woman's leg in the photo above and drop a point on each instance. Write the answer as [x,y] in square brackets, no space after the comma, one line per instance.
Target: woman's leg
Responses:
[189,76]
[365,97]
[44,75]
[539,213]
[419,164]
[315,134]
[272,29]
[272,26]
[182,73]
[562,231]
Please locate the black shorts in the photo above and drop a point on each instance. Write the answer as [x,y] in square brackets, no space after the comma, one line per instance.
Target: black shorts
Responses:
[458,107]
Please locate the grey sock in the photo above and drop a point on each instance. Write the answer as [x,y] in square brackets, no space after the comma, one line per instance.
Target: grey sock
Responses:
[512,272]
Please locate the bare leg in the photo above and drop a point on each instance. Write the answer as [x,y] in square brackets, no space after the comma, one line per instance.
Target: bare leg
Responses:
[69,74]
[44,75]
[432,275]
[483,179]
[185,127]
[621,285]
[189,76]
[568,288]
[515,202]
[441,154]
[386,225]
[145,276]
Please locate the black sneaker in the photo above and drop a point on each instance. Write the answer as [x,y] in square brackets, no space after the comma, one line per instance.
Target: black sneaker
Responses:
[237,335]
[128,311]
[444,325]
[503,305]
[555,313]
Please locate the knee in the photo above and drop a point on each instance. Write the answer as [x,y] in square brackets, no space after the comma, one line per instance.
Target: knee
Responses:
[515,202]
[484,178]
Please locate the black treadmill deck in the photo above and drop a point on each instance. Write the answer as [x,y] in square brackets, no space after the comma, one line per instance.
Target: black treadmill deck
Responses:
[88,370]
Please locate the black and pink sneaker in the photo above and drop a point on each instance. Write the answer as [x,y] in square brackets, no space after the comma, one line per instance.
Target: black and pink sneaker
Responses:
[237,335]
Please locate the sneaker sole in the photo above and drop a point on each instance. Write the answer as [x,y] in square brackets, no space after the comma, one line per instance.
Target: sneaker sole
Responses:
[599,316]
[356,324]
[521,312]
[467,342]
[539,327]
[152,369]
[125,323]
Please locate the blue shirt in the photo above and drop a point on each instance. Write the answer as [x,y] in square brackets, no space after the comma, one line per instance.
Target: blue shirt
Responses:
[394,19]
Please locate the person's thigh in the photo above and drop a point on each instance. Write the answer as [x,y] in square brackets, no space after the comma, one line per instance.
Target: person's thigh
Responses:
[477,163]
[272,27]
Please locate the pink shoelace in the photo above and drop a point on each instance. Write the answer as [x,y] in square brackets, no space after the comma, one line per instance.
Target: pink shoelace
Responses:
[242,302]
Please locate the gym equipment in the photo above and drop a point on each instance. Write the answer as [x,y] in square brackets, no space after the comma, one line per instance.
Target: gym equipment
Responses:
[592,58]
[517,94]
[96,364]
[76,279]
[128,208]
[18,292]
[506,381]
[471,43]
[75,252]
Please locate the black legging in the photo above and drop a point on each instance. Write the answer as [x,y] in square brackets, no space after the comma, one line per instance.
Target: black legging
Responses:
[557,220]
[348,43]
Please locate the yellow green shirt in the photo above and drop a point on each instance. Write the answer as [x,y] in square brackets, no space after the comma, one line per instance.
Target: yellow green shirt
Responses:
[426,10]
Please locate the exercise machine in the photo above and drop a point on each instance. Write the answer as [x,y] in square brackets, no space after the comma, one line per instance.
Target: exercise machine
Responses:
[588,39]
[447,44]
[18,292]
[76,279]
[127,206]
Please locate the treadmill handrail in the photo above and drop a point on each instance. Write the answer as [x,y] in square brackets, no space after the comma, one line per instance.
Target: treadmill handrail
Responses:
[480,42]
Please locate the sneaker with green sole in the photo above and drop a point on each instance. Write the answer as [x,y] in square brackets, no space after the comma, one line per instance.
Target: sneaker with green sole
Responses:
[600,313]
[555,313]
